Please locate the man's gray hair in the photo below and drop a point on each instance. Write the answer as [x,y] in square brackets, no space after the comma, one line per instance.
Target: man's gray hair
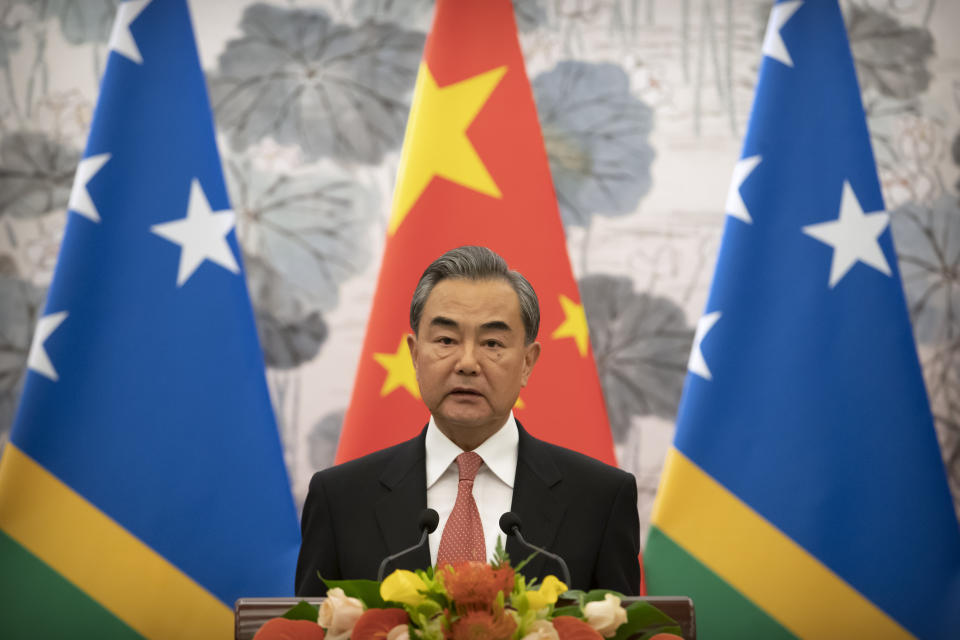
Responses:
[477,263]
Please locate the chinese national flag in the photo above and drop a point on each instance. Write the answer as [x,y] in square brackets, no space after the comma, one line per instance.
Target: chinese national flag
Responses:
[474,171]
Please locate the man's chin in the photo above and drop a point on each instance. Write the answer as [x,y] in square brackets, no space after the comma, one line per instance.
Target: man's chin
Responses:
[465,422]
[469,420]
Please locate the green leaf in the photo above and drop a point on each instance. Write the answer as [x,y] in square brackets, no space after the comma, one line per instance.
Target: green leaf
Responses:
[302,611]
[500,556]
[367,591]
[645,620]
[524,562]
[571,610]
[596,595]
[427,609]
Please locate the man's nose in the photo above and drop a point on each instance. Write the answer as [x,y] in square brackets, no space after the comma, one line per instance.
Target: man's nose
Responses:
[467,364]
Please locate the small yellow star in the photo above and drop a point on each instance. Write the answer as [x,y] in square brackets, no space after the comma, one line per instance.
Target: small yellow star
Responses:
[519,404]
[400,371]
[436,142]
[575,324]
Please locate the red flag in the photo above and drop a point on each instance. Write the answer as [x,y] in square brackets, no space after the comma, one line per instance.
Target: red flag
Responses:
[474,171]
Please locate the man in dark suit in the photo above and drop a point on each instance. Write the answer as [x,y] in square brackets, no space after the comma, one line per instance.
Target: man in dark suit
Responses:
[474,347]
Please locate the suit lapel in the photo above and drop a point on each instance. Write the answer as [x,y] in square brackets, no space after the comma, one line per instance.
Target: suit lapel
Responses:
[533,501]
[404,479]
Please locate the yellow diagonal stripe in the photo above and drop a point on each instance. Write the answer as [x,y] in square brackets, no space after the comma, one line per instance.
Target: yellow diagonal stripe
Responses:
[758,560]
[102,558]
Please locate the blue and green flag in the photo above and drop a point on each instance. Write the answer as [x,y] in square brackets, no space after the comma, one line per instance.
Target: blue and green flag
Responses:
[143,489]
[804,495]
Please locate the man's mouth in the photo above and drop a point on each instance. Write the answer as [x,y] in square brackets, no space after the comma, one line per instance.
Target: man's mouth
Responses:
[464,392]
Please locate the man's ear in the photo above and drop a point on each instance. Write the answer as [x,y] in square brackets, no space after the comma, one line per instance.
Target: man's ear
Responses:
[530,356]
[412,347]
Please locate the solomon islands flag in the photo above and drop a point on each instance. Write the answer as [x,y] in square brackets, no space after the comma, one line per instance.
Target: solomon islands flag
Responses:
[805,495]
[143,489]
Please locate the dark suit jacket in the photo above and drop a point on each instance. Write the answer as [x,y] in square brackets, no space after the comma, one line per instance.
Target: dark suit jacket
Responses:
[359,512]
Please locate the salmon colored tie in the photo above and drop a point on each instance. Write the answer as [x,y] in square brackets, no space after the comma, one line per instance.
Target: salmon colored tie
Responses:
[462,537]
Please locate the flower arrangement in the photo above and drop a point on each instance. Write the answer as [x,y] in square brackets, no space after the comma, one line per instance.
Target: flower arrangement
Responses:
[468,601]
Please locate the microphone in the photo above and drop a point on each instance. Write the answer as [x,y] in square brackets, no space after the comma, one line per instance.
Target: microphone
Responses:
[510,525]
[429,519]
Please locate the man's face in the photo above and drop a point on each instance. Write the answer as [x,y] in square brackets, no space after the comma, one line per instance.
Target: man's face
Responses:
[470,357]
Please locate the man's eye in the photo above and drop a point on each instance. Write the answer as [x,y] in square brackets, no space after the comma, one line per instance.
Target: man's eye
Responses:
[493,344]
[445,340]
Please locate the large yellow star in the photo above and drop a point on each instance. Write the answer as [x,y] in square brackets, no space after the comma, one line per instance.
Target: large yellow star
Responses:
[575,324]
[436,142]
[400,371]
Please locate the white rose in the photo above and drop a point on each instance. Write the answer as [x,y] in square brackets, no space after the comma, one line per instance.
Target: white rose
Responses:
[399,632]
[605,615]
[541,630]
[338,614]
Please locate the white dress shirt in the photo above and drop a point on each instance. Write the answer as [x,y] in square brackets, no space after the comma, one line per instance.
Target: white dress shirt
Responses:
[492,488]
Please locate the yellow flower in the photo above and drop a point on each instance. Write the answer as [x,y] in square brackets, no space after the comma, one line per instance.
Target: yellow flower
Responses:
[403,586]
[548,593]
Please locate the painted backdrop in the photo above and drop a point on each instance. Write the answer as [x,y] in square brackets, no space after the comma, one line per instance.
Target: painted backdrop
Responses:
[643,105]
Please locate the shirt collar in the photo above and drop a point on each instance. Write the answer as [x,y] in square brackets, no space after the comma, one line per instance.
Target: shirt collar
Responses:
[499,452]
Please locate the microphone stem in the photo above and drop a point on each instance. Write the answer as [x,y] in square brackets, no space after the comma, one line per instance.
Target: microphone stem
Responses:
[555,557]
[388,559]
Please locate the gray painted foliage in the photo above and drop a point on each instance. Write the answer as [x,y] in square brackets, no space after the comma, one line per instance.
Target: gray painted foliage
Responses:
[596,134]
[289,333]
[529,14]
[302,236]
[323,439]
[955,152]
[20,304]
[9,39]
[641,343]
[36,174]
[890,57]
[333,89]
[928,245]
[312,229]
[403,12]
[81,21]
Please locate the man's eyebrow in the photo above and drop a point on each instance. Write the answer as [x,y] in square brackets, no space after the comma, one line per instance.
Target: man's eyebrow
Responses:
[443,321]
[495,325]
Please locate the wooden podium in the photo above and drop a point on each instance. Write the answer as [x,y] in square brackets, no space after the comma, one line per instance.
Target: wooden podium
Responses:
[251,613]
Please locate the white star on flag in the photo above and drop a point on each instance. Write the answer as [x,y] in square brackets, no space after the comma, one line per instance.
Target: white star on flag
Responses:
[853,236]
[697,364]
[773,44]
[202,235]
[80,200]
[736,207]
[121,39]
[38,360]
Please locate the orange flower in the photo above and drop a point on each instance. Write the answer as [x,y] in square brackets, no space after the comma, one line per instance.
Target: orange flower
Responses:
[375,624]
[482,625]
[570,628]
[283,629]
[474,585]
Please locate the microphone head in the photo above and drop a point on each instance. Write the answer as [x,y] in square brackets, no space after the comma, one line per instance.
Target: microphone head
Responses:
[508,522]
[429,519]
